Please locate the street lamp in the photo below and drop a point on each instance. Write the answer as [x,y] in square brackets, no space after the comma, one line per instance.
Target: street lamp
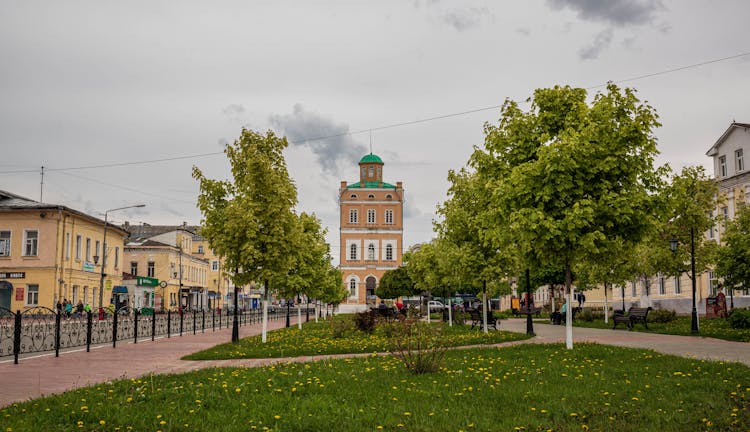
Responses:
[104,257]
[673,247]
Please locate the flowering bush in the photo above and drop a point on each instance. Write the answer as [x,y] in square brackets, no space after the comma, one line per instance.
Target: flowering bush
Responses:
[417,345]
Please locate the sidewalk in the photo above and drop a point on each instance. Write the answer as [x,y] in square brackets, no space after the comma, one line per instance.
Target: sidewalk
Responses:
[685,346]
[44,375]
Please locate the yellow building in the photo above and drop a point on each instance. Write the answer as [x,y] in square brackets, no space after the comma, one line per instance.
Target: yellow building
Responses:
[166,253]
[371,226]
[51,252]
[219,286]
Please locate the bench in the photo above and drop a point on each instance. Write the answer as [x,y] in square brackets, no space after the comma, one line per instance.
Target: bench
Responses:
[388,313]
[557,318]
[476,319]
[523,311]
[635,315]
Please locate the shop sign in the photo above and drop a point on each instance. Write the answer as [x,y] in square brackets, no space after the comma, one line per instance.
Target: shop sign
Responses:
[88,266]
[12,275]
[19,293]
[147,281]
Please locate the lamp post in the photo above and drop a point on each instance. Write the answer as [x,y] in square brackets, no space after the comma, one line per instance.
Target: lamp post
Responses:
[673,246]
[104,257]
[529,322]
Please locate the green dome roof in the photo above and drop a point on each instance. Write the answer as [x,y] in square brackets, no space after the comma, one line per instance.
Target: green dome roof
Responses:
[371,158]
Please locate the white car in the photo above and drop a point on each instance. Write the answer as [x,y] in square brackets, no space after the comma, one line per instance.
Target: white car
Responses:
[435,305]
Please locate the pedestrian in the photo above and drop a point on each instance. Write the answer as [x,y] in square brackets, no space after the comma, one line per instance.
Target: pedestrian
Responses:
[87,308]
[720,308]
[79,308]
[68,308]
[59,306]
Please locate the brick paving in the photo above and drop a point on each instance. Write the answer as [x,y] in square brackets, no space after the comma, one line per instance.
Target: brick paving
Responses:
[44,375]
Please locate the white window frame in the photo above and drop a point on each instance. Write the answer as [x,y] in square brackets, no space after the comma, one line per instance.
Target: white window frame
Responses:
[713,283]
[353,287]
[215,265]
[136,268]
[32,296]
[633,289]
[371,216]
[117,257]
[662,290]
[79,246]
[97,245]
[353,252]
[353,216]
[677,285]
[150,269]
[739,161]
[30,245]
[389,252]
[389,217]
[371,252]
[74,298]
[88,249]
[5,243]
[723,166]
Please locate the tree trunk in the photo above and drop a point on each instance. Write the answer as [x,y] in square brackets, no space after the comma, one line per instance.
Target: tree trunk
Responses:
[569,311]
[265,313]
[606,308]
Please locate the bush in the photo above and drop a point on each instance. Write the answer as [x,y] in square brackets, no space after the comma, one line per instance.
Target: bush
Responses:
[589,315]
[662,316]
[341,328]
[366,321]
[417,345]
[505,314]
[739,319]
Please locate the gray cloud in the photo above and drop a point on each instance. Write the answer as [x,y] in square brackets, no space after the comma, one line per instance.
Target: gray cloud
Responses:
[234,112]
[465,18]
[524,31]
[601,42]
[304,128]
[617,12]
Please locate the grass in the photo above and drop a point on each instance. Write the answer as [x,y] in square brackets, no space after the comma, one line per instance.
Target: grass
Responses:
[317,339]
[713,327]
[527,387]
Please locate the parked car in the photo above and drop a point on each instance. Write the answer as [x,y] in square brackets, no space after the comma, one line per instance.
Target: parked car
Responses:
[436,306]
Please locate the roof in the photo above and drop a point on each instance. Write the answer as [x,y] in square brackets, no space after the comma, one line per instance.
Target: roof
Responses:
[371,158]
[145,231]
[712,150]
[11,201]
[371,185]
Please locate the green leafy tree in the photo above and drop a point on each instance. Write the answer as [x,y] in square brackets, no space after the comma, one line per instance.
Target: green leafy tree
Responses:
[570,177]
[396,283]
[734,255]
[248,220]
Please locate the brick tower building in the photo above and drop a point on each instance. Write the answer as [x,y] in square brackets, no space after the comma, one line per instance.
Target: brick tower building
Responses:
[372,230]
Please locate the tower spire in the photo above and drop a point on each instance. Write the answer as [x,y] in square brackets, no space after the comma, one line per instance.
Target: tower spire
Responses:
[370,141]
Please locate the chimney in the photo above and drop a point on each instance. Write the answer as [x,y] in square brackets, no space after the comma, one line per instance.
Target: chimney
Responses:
[399,185]
[343,185]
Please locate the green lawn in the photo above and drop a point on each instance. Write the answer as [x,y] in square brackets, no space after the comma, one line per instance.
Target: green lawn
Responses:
[317,339]
[527,387]
[714,327]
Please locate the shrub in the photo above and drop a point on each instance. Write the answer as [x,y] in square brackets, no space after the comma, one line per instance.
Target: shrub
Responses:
[589,315]
[341,328]
[417,345]
[366,321]
[662,316]
[504,314]
[739,319]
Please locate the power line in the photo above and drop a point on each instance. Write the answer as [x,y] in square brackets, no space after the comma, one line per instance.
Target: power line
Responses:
[384,127]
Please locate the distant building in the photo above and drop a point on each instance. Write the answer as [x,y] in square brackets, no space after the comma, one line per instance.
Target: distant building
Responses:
[372,229]
[165,252]
[50,252]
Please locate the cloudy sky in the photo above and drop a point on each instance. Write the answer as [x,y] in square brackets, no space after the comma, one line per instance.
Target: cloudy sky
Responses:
[90,89]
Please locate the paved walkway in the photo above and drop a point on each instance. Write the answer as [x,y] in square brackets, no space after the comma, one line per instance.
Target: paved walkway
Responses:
[44,375]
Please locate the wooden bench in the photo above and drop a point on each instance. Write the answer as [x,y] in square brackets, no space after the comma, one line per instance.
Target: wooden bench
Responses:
[635,315]
[558,318]
[523,311]
[476,319]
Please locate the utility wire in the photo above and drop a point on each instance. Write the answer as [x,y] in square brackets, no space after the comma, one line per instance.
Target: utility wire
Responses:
[389,126]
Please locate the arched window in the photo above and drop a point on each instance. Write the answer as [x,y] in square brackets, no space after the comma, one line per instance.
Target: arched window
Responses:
[353,196]
[389,252]
[353,252]
[352,287]
[389,196]
[371,252]
[371,196]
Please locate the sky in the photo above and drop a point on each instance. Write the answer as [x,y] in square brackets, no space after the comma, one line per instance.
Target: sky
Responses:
[119,100]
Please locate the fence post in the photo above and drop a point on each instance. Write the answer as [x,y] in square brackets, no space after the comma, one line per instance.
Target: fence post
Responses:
[203,321]
[17,336]
[89,315]
[182,314]
[194,319]
[114,329]
[213,320]
[57,334]
[153,325]
[169,324]
[135,326]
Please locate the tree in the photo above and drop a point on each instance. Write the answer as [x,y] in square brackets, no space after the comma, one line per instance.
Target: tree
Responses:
[248,220]
[569,178]
[396,283]
[734,255]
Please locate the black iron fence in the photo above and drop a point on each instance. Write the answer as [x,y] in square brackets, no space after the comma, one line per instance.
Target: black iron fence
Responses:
[41,329]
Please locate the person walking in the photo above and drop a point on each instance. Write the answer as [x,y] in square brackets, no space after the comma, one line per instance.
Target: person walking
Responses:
[68,307]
